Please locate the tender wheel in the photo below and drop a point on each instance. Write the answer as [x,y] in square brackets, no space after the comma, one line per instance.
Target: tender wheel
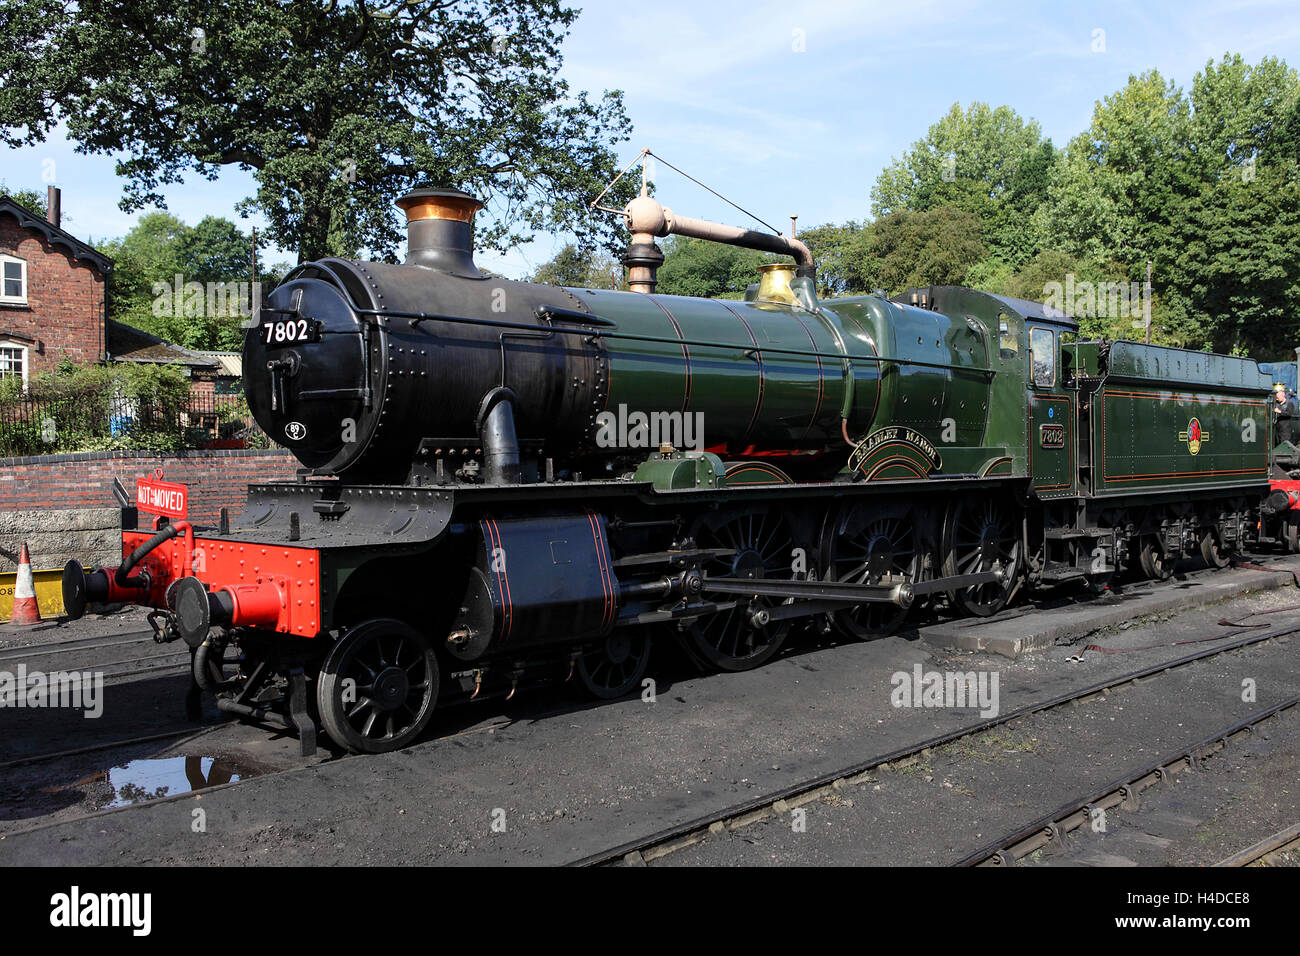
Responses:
[377,687]
[615,668]
[1212,550]
[982,534]
[1291,532]
[866,545]
[764,548]
[1155,560]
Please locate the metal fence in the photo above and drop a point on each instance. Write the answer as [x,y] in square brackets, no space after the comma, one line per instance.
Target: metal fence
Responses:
[102,420]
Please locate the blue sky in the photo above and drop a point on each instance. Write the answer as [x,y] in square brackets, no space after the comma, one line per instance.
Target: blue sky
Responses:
[721,90]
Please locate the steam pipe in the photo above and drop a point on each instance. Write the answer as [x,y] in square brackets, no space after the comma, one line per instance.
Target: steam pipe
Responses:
[496,424]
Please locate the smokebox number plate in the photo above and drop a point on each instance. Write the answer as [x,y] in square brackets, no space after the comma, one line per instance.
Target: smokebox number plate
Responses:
[284,332]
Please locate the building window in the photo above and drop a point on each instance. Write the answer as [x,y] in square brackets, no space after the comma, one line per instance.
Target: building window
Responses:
[13,280]
[13,362]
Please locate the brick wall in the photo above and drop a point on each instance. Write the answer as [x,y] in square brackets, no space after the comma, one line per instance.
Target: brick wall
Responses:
[65,301]
[203,390]
[66,500]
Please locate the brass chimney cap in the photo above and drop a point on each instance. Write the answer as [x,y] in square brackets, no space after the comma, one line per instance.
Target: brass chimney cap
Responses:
[452,204]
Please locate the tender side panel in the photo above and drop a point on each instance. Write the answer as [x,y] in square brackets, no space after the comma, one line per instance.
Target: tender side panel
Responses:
[1150,437]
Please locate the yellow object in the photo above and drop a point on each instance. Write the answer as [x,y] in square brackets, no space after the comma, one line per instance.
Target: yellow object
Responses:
[774,283]
[49,593]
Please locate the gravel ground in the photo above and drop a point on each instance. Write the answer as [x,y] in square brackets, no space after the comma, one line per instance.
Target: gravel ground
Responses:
[547,779]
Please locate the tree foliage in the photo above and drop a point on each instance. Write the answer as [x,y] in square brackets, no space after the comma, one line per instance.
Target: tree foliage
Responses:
[939,246]
[29,199]
[1205,185]
[701,268]
[335,107]
[147,263]
[571,266]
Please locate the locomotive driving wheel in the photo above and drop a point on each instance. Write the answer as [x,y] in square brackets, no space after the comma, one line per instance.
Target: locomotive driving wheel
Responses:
[378,686]
[982,534]
[615,667]
[763,547]
[862,544]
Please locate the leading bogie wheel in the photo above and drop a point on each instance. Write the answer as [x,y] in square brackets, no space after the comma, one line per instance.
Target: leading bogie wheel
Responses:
[378,686]
[616,666]
[1157,563]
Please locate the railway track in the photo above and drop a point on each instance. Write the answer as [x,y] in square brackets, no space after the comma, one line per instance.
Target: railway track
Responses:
[1051,832]
[661,843]
[189,732]
[167,659]
[1267,850]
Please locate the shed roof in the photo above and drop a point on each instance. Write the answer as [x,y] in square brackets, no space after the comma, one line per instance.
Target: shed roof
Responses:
[128,344]
[228,363]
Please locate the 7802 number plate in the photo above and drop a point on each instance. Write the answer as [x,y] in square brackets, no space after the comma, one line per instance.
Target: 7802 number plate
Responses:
[283,332]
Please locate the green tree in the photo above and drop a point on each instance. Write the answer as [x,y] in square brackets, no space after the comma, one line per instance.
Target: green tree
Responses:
[967,156]
[990,162]
[1229,270]
[840,253]
[572,266]
[1204,186]
[937,247]
[143,282]
[709,269]
[1122,178]
[216,251]
[335,108]
[149,253]
[29,199]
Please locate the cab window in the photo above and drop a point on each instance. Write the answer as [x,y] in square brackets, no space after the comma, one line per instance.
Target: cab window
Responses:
[1040,346]
[1007,344]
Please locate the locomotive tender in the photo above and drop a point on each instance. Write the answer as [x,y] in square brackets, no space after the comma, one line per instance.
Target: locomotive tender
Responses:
[468,521]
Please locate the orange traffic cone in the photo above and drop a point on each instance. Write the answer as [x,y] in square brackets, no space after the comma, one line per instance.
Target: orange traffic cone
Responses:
[26,611]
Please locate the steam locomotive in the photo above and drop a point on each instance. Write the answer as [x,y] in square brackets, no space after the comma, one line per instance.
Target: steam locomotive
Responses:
[505,483]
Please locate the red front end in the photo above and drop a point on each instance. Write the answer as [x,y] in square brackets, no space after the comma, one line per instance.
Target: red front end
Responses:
[275,588]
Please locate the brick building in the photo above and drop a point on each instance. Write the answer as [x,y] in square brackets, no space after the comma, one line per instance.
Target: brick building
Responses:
[52,293]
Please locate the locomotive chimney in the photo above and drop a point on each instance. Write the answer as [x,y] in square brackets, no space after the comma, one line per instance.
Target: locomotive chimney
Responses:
[440,230]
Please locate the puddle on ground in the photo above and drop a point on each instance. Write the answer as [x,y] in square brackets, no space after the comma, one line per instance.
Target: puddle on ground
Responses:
[139,781]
